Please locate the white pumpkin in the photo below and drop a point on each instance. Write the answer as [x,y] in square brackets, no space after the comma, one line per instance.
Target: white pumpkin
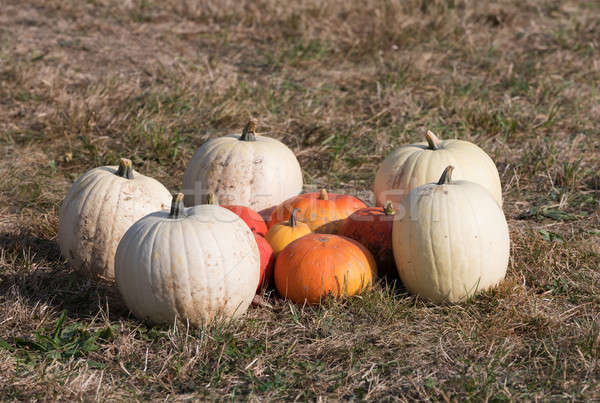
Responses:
[99,207]
[248,170]
[198,264]
[451,241]
[418,164]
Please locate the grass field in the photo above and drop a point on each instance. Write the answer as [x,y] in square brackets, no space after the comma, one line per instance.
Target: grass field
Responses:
[342,83]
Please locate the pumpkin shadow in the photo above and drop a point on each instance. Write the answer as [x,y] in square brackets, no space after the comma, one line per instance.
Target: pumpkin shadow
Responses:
[390,281]
[39,275]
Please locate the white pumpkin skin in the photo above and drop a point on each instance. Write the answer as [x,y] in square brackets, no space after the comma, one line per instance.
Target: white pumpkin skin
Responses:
[99,207]
[202,266]
[414,165]
[451,242]
[258,173]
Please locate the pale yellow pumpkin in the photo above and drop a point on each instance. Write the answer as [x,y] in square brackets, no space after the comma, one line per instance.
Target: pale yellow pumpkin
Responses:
[451,240]
[414,165]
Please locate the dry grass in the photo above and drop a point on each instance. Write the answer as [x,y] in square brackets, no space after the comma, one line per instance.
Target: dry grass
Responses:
[342,83]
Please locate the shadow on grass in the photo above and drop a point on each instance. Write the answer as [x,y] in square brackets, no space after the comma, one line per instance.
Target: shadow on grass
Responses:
[33,269]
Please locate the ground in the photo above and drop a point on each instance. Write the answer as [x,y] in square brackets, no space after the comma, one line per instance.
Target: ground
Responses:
[342,83]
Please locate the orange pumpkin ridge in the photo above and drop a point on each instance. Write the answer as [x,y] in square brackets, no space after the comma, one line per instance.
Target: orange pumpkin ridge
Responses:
[323,212]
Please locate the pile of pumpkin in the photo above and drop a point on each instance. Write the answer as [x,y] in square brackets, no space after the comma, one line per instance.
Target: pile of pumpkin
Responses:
[445,238]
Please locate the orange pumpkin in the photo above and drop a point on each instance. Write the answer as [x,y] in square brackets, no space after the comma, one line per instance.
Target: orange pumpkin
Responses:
[318,266]
[323,212]
[282,234]
[372,227]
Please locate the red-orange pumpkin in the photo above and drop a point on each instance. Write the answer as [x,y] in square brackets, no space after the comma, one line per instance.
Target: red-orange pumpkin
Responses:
[372,227]
[323,212]
[267,260]
[250,217]
[318,266]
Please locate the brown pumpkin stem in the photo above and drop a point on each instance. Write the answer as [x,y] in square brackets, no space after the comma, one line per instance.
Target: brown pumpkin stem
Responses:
[293,220]
[323,195]
[389,208]
[433,140]
[125,168]
[177,206]
[249,132]
[211,198]
[446,177]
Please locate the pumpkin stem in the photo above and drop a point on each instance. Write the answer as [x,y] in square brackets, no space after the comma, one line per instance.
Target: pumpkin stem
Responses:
[389,208]
[432,140]
[125,169]
[176,206]
[446,177]
[293,220]
[323,195]
[249,132]
[211,198]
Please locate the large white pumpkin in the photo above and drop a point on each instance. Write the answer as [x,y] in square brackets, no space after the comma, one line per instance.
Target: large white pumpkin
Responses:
[99,207]
[249,170]
[198,264]
[451,241]
[414,165]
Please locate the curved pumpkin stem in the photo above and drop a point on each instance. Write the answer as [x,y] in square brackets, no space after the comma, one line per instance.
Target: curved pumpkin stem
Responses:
[432,140]
[389,208]
[211,198]
[323,195]
[293,219]
[249,132]
[446,177]
[125,169]
[177,206]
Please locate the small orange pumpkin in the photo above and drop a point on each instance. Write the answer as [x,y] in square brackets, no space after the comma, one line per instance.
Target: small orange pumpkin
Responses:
[317,266]
[282,234]
[323,212]
[372,227]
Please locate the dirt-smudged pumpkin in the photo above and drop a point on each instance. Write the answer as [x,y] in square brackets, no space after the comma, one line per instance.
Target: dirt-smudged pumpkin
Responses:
[318,266]
[99,207]
[372,228]
[199,264]
[323,212]
[248,169]
[282,234]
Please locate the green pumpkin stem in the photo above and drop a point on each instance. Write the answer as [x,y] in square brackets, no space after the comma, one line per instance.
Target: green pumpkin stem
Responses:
[389,208]
[125,168]
[211,198]
[293,220]
[249,132]
[446,177]
[177,206]
[432,140]
[323,195]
